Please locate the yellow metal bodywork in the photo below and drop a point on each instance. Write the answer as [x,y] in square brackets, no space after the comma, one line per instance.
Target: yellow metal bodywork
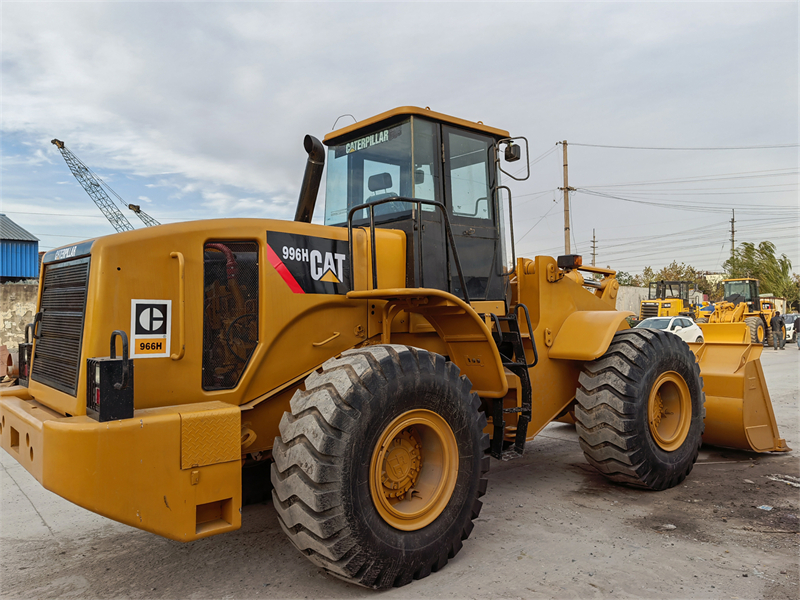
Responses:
[738,407]
[468,339]
[95,465]
[174,471]
[671,307]
[175,467]
[552,299]
[728,312]
[586,335]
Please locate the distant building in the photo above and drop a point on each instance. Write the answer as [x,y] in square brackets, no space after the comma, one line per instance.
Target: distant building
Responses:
[19,252]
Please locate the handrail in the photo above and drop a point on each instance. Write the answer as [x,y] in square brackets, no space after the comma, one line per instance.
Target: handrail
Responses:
[511,228]
[181,305]
[419,202]
[530,333]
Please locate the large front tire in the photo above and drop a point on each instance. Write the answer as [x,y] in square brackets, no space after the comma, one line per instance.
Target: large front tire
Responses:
[757,332]
[640,409]
[379,466]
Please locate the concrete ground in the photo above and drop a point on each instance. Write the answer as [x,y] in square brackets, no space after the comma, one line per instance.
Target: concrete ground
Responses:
[551,527]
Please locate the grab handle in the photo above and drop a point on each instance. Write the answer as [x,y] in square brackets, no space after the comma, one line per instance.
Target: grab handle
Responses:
[181,305]
[125,363]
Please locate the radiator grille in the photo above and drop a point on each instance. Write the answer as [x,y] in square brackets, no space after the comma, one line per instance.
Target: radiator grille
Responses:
[57,354]
[649,311]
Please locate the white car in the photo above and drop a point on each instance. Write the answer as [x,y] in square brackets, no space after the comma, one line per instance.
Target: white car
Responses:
[683,327]
[791,327]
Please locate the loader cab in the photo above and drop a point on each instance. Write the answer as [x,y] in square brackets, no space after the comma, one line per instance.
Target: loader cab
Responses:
[742,290]
[419,154]
[668,290]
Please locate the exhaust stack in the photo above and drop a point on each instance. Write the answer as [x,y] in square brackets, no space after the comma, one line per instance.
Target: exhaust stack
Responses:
[311,179]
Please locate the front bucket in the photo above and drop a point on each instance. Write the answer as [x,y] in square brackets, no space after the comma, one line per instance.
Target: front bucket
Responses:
[738,408]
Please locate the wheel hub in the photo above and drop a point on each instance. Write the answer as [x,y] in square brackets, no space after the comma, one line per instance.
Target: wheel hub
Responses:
[669,411]
[409,493]
[401,464]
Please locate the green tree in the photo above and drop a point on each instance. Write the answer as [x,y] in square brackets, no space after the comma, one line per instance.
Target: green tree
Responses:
[624,277]
[676,272]
[794,302]
[774,273]
[644,279]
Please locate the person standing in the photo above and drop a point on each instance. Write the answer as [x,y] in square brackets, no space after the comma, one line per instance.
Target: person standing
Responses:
[777,325]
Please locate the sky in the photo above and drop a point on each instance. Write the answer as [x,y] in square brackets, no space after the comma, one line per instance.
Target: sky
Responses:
[198,111]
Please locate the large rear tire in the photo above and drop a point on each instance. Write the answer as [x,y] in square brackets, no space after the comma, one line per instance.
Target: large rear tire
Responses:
[379,467]
[640,409]
[757,332]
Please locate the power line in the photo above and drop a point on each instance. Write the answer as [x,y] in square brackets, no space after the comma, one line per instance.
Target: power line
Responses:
[710,192]
[764,147]
[535,224]
[537,159]
[714,177]
[695,207]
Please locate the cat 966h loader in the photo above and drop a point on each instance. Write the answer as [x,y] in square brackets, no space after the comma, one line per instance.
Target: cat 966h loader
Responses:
[373,363]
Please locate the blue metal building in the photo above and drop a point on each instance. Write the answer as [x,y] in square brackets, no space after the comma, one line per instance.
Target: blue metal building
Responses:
[19,252]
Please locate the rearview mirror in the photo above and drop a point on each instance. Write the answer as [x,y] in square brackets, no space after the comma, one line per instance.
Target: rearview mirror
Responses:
[513,153]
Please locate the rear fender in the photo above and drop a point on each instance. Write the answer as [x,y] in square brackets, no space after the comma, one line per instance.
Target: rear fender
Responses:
[468,339]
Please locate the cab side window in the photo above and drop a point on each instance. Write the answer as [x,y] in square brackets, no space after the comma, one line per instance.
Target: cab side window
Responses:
[467,173]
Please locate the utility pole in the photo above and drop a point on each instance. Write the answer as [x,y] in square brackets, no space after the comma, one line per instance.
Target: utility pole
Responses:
[733,231]
[567,190]
[594,248]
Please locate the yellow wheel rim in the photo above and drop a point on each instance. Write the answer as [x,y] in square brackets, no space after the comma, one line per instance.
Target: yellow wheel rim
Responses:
[669,411]
[413,470]
[760,333]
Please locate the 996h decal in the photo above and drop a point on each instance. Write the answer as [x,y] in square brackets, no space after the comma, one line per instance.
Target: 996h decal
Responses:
[309,264]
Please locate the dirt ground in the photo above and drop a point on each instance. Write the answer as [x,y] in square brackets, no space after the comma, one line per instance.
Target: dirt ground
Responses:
[551,527]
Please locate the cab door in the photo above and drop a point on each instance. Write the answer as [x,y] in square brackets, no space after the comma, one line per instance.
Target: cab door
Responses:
[469,178]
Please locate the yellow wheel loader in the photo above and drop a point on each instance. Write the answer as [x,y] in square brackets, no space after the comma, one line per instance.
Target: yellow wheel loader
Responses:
[741,304]
[373,364]
[667,299]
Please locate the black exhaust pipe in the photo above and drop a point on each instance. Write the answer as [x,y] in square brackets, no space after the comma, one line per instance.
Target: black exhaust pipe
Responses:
[311,179]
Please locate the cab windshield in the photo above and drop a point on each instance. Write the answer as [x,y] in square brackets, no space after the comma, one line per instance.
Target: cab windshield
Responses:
[397,160]
[746,290]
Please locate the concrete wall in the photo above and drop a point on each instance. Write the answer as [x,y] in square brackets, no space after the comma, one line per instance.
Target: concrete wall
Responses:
[629,297]
[17,307]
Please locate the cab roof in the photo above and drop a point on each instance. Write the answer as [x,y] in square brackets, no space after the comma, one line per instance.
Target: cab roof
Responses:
[402,111]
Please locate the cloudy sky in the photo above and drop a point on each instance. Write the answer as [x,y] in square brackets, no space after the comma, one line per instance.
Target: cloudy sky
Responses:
[198,110]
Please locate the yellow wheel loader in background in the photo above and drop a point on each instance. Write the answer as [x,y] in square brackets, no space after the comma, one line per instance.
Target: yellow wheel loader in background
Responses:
[742,304]
[667,299]
[373,363]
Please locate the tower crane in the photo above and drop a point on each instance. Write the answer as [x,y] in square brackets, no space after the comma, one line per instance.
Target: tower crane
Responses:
[96,188]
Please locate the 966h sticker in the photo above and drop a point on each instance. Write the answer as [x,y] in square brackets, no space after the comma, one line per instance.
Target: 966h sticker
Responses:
[151,324]
[308,264]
